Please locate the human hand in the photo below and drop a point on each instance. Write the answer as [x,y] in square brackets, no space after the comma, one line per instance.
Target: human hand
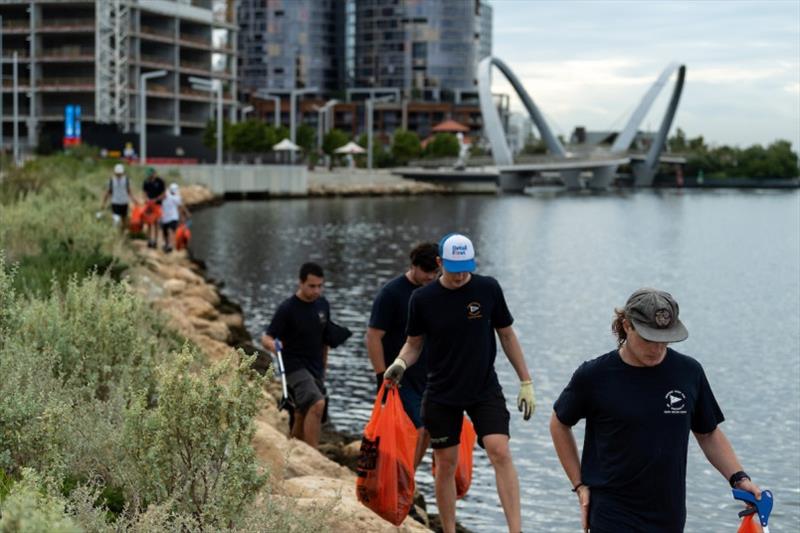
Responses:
[584,494]
[395,372]
[748,485]
[526,399]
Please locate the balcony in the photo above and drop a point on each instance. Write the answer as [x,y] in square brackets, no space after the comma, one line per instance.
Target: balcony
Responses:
[73,83]
[157,34]
[64,54]
[12,27]
[202,67]
[66,25]
[156,61]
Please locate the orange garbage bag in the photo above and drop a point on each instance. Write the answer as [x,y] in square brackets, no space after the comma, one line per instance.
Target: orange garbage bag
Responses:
[151,212]
[135,224]
[182,236]
[749,525]
[464,468]
[385,470]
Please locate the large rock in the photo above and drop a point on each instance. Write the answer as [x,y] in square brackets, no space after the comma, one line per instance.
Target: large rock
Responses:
[349,515]
[174,286]
[205,291]
[216,330]
[195,306]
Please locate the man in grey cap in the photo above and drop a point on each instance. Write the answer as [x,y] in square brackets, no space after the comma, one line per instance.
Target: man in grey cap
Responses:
[640,402]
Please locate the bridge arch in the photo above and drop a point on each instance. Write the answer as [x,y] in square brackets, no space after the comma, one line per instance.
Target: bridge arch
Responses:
[491,118]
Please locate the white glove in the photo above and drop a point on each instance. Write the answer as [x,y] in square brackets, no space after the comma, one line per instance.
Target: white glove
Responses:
[395,372]
[526,399]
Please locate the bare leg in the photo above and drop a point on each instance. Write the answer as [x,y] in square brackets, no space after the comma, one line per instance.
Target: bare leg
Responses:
[446,462]
[423,441]
[506,478]
[299,424]
[312,426]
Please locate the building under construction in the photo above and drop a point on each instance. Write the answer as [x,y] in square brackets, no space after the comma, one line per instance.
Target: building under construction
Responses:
[92,53]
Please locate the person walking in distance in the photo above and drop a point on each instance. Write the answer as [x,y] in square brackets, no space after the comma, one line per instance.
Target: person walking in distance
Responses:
[154,189]
[456,319]
[640,401]
[300,324]
[119,191]
[386,334]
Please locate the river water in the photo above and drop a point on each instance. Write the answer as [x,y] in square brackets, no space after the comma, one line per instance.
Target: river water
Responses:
[731,259]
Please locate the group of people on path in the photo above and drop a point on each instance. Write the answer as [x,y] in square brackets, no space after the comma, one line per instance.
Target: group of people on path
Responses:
[163,207]
[432,333]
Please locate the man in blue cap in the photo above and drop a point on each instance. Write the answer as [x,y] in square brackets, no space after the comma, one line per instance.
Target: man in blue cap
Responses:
[456,318]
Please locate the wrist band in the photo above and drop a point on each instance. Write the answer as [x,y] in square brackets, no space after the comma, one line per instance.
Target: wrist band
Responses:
[737,477]
[579,485]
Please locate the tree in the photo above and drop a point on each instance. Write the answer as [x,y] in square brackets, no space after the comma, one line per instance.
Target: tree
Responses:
[210,135]
[332,140]
[305,137]
[405,146]
[677,143]
[249,137]
[443,145]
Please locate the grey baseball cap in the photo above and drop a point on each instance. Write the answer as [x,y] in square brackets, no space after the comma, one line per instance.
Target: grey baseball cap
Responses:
[654,314]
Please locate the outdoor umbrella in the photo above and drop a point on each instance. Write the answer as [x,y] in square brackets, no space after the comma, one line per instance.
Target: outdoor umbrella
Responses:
[350,148]
[286,146]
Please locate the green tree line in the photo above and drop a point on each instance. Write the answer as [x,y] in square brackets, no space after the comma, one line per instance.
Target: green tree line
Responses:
[777,160]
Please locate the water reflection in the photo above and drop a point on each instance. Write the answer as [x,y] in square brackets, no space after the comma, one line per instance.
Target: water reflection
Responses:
[731,259]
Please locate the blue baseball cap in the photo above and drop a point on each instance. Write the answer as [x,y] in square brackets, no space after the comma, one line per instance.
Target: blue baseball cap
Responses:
[457,253]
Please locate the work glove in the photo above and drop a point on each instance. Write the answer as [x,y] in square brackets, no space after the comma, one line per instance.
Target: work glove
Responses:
[395,372]
[526,399]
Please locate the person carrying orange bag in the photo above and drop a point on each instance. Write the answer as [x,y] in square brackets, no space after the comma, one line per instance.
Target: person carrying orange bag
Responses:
[385,470]
[464,468]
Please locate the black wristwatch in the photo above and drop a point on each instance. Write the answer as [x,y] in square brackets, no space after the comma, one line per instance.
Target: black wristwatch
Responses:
[737,477]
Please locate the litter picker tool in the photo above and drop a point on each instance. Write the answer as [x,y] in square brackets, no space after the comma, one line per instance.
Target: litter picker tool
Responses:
[762,508]
[284,401]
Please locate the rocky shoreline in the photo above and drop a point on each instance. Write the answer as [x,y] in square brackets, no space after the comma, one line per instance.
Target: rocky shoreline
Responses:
[176,285]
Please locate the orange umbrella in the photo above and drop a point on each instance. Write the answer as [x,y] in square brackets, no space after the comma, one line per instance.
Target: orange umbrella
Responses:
[450,126]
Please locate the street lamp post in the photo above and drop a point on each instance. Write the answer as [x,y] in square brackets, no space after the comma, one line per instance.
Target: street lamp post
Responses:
[322,114]
[264,95]
[369,105]
[143,111]
[15,103]
[293,111]
[205,84]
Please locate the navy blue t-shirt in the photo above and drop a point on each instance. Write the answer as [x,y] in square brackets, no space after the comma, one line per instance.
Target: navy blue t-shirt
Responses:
[300,326]
[154,188]
[638,421]
[458,325]
[390,314]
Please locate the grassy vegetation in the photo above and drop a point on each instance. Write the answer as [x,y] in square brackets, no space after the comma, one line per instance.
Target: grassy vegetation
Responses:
[108,422]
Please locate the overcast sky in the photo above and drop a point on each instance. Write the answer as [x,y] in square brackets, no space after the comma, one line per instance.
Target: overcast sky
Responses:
[589,63]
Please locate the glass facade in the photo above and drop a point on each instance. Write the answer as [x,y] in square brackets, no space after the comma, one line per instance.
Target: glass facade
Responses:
[420,44]
[291,44]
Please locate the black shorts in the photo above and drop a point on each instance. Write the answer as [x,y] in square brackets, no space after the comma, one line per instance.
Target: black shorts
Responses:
[120,209]
[171,225]
[443,422]
[304,389]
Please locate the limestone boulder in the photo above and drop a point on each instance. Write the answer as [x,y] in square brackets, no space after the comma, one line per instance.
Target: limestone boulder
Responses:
[198,307]
[349,515]
[174,286]
[205,291]
[233,320]
[215,329]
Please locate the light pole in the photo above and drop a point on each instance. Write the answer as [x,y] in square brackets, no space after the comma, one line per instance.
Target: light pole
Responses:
[143,111]
[293,111]
[322,114]
[205,84]
[369,104]
[15,101]
[264,95]
[2,86]
[245,110]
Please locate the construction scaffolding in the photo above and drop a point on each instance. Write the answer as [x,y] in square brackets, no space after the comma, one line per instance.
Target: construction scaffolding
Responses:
[112,54]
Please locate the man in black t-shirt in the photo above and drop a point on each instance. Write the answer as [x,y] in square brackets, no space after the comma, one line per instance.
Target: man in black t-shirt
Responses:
[640,403]
[300,323]
[386,334]
[456,319]
[154,189]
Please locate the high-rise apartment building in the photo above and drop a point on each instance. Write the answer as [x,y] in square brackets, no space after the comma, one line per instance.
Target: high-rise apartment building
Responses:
[420,46]
[91,54]
[291,44]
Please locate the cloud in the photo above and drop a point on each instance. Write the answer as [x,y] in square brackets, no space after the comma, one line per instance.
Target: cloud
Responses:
[736,74]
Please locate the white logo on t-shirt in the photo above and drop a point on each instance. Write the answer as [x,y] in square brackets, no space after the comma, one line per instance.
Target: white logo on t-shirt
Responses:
[676,402]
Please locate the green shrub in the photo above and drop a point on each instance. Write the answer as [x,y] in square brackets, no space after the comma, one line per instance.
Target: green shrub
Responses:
[30,508]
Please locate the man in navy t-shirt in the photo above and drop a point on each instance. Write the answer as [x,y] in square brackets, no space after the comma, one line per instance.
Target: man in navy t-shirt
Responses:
[640,403]
[386,334]
[456,319]
[299,323]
